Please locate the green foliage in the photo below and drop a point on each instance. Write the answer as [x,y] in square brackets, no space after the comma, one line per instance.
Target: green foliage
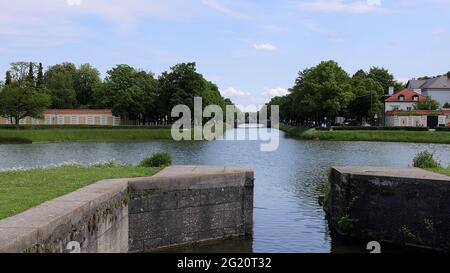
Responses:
[157,160]
[59,80]
[425,160]
[23,101]
[427,104]
[326,90]
[346,224]
[85,79]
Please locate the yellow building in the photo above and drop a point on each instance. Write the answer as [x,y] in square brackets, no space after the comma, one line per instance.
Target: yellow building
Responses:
[99,117]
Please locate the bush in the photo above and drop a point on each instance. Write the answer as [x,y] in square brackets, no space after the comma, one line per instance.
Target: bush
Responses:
[157,160]
[425,160]
[375,128]
[15,140]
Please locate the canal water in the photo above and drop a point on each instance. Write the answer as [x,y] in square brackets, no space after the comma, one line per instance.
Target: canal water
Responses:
[287,216]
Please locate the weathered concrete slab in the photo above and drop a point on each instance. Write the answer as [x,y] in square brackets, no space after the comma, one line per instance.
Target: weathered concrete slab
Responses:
[180,205]
[404,206]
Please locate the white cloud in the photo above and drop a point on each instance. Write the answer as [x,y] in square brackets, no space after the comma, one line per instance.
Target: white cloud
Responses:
[439,32]
[218,6]
[265,47]
[275,92]
[232,92]
[341,6]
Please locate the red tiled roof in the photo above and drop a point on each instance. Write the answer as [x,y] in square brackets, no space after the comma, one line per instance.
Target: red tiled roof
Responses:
[78,112]
[408,94]
[419,113]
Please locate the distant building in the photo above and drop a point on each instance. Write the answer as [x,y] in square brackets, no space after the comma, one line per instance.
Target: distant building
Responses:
[403,100]
[99,117]
[438,88]
[418,118]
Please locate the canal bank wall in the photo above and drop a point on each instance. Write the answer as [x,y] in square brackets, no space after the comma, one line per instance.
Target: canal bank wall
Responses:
[178,206]
[401,206]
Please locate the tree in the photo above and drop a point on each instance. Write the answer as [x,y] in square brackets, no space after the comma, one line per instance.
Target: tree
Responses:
[85,79]
[20,101]
[30,76]
[40,76]
[8,78]
[59,80]
[322,91]
[179,86]
[386,79]
[367,98]
[130,93]
[447,105]
[20,72]
[426,104]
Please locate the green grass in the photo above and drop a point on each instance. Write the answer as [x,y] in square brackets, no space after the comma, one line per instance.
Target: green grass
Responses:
[442,137]
[71,135]
[445,171]
[22,190]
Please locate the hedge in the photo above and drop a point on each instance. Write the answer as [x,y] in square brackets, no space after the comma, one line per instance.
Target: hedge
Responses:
[44,127]
[375,128]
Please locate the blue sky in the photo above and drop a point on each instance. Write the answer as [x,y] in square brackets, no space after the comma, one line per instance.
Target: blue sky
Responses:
[253,49]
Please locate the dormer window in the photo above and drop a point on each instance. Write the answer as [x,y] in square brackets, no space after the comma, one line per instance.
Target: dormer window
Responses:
[401,98]
[415,98]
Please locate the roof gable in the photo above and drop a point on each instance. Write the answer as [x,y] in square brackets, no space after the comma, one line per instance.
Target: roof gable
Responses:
[407,94]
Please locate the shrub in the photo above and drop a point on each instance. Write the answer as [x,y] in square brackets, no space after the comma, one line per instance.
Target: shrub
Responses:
[425,160]
[157,160]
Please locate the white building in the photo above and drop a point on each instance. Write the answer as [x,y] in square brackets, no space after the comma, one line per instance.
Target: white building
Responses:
[403,100]
[438,88]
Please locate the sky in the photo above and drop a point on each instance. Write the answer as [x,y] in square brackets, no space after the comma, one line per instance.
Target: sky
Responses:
[252,49]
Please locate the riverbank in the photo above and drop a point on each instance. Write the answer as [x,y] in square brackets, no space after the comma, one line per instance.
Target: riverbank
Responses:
[438,137]
[444,171]
[22,190]
[27,135]
[8,136]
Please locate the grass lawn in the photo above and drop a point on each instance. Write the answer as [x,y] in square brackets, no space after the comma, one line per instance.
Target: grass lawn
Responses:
[68,135]
[22,190]
[442,137]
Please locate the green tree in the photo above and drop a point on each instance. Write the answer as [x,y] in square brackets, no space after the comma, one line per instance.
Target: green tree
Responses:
[85,79]
[426,104]
[59,81]
[30,76]
[21,72]
[179,86]
[8,78]
[20,101]
[367,98]
[40,76]
[130,93]
[322,91]
[385,78]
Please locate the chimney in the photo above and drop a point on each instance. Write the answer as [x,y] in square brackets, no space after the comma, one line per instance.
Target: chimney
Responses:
[391,91]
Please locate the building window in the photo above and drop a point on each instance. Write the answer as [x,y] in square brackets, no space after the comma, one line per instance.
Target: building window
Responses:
[401,98]
[60,120]
[416,98]
[90,120]
[409,108]
[103,120]
[48,120]
[74,120]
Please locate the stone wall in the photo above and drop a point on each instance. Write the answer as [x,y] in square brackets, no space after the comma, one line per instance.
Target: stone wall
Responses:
[184,205]
[405,206]
[180,205]
[96,217]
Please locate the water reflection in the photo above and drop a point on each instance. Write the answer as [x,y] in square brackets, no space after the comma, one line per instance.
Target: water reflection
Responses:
[287,216]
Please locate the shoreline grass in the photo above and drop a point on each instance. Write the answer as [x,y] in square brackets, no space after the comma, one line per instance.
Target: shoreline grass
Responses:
[438,137]
[74,135]
[28,135]
[22,190]
[444,171]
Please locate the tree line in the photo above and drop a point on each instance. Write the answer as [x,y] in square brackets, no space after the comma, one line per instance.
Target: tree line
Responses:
[133,94]
[326,91]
